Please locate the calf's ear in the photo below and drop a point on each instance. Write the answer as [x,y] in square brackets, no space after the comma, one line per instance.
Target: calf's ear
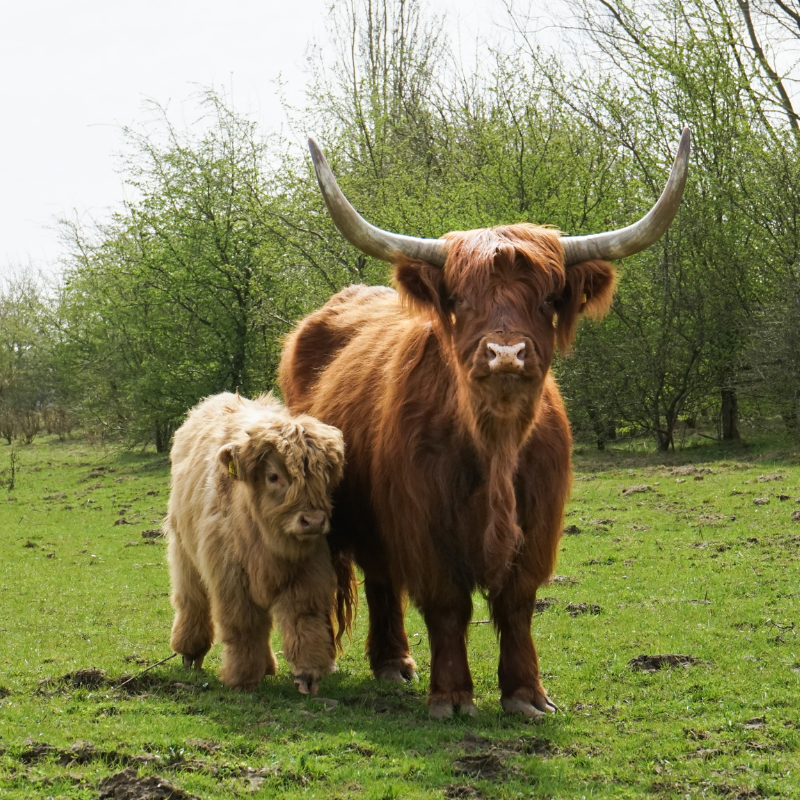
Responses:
[422,286]
[228,457]
[588,289]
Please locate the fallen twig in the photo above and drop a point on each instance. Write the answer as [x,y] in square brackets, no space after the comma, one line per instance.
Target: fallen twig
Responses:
[146,669]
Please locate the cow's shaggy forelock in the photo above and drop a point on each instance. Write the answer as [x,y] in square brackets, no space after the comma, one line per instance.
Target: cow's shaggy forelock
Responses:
[527,253]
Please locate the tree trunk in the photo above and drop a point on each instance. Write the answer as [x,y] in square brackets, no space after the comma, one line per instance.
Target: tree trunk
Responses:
[791,418]
[163,433]
[730,414]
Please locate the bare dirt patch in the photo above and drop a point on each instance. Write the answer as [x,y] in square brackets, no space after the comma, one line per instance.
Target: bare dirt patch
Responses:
[576,609]
[647,663]
[93,678]
[638,489]
[456,791]
[562,579]
[127,785]
[690,470]
[543,603]
[487,766]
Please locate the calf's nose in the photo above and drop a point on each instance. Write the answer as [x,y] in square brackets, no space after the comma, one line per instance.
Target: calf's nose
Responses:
[506,357]
[311,522]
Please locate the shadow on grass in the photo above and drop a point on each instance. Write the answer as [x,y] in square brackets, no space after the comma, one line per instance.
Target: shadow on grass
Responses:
[354,718]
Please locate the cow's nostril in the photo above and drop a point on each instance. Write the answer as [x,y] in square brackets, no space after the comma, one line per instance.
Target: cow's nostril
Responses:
[505,356]
[311,520]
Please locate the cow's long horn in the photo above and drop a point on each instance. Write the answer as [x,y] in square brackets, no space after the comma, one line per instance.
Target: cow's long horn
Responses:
[367,238]
[612,245]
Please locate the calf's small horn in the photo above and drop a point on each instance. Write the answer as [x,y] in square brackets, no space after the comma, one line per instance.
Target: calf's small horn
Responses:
[367,238]
[612,245]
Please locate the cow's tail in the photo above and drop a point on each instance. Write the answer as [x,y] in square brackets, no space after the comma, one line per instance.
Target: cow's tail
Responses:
[346,596]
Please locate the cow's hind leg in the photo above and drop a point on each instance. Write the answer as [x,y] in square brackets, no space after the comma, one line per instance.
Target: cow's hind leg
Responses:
[451,689]
[387,643]
[521,690]
[192,629]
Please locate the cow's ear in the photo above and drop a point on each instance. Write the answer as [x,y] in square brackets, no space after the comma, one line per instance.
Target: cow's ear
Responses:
[422,286]
[588,289]
[334,453]
[228,457]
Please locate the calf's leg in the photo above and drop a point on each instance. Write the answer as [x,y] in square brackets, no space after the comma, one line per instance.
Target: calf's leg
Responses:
[192,629]
[244,629]
[447,619]
[304,613]
[521,690]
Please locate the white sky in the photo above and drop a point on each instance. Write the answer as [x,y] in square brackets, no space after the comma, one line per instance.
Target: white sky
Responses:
[73,73]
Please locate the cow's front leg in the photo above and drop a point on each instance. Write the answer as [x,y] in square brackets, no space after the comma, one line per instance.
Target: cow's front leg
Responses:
[451,686]
[521,690]
[387,643]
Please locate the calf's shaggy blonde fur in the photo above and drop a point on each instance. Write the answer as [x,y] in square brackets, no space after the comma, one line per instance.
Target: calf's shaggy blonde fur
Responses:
[247,522]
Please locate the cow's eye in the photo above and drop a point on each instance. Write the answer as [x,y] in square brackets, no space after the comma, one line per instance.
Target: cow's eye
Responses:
[273,477]
[547,305]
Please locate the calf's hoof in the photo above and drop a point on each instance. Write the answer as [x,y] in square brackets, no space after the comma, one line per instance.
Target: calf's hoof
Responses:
[193,662]
[305,684]
[245,687]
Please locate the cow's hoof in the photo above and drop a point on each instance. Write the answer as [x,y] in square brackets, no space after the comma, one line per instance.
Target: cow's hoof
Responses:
[441,709]
[546,704]
[305,684]
[193,663]
[516,705]
[399,673]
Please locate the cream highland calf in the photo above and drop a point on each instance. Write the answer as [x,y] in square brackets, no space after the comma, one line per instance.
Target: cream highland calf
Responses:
[247,523]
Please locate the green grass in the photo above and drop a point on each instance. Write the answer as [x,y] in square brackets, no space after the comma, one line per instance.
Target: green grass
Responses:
[687,567]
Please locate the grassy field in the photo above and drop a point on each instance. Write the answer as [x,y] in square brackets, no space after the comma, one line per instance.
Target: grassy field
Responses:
[694,556]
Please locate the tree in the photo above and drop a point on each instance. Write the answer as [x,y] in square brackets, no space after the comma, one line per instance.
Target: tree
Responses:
[177,296]
[28,380]
[642,71]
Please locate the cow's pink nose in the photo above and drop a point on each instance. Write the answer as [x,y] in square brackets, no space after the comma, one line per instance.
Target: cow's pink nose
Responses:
[506,357]
[312,521]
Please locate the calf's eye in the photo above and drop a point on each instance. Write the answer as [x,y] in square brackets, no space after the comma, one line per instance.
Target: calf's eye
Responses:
[273,477]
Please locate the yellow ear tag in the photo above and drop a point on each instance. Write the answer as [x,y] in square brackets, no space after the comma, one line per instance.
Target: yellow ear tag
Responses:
[585,298]
[232,469]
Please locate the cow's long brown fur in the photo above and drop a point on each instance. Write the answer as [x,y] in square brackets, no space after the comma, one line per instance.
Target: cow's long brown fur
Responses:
[454,480]
[243,473]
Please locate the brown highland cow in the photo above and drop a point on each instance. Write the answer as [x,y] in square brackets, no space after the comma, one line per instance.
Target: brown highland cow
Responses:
[458,444]
[247,523]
